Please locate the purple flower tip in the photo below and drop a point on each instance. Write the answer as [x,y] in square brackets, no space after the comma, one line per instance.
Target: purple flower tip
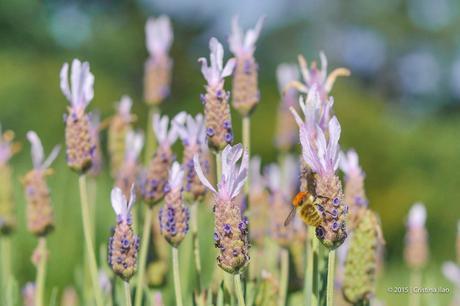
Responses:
[210,132]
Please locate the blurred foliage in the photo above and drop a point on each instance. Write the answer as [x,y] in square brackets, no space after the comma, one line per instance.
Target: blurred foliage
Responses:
[407,157]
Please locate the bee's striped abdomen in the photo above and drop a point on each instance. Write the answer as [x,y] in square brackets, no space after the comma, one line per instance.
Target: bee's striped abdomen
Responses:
[310,214]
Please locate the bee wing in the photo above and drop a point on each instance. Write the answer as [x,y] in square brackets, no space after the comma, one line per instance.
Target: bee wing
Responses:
[290,217]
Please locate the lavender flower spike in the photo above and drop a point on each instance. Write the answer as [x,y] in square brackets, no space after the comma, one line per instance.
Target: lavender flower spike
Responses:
[216,109]
[124,244]
[129,169]
[156,177]
[245,84]
[40,216]
[120,125]
[95,127]
[286,129]
[174,217]
[317,77]
[416,246]
[80,149]
[193,134]
[7,206]
[355,195]
[231,229]
[258,197]
[157,76]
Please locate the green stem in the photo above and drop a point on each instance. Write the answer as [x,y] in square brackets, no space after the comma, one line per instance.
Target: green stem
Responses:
[6,262]
[41,272]
[85,215]
[143,256]
[127,294]
[315,268]
[196,244]
[284,277]
[176,272]
[415,281]
[247,146]
[239,290]
[330,278]
[308,281]
[150,141]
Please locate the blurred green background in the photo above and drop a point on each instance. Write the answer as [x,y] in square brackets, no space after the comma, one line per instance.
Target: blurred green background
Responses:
[400,108]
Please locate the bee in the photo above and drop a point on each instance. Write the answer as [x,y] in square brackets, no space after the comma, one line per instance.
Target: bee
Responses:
[308,209]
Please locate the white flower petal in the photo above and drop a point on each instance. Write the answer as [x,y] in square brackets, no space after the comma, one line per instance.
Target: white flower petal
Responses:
[201,176]
[64,84]
[36,149]
[117,200]
[452,272]
[54,153]
[132,198]
[417,216]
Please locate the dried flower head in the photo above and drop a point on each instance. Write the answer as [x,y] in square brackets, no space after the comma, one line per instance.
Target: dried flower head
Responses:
[28,294]
[361,260]
[120,125]
[7,149]
[216,109]
[157,76]
[416,241]
[286,128]
[154,180]
[127,174]
[80,148]
[193,135]
[231,228]
[124,244]
[317,77]
[95,127]
[40,217]
[355,196]
[174,216]
[321,155]
[246,93]
[258,198]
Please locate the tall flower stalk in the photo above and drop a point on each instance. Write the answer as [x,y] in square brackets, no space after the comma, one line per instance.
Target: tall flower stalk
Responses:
[416,248]
[40,214]
[319,136]
[193,136]
[7,206]
[231,228]
[246,94]
[153,183]
[174,220]
[157,71]
[80,147]
[124,244]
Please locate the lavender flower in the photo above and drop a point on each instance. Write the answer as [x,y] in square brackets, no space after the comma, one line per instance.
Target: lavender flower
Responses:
[193,135]
[28,294]
[154,182]
[216,109]
[80,149]
[120,125]
[157,76]
[69,297]
[127,174]
[416,244]
[174,216]
[95,126]
[124,244]
[451,271]
[40,219]
[245,85]
[231,228]
[318,77]
[7,149]
[355,196]
[280,207]
[286,129]
[321,155]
